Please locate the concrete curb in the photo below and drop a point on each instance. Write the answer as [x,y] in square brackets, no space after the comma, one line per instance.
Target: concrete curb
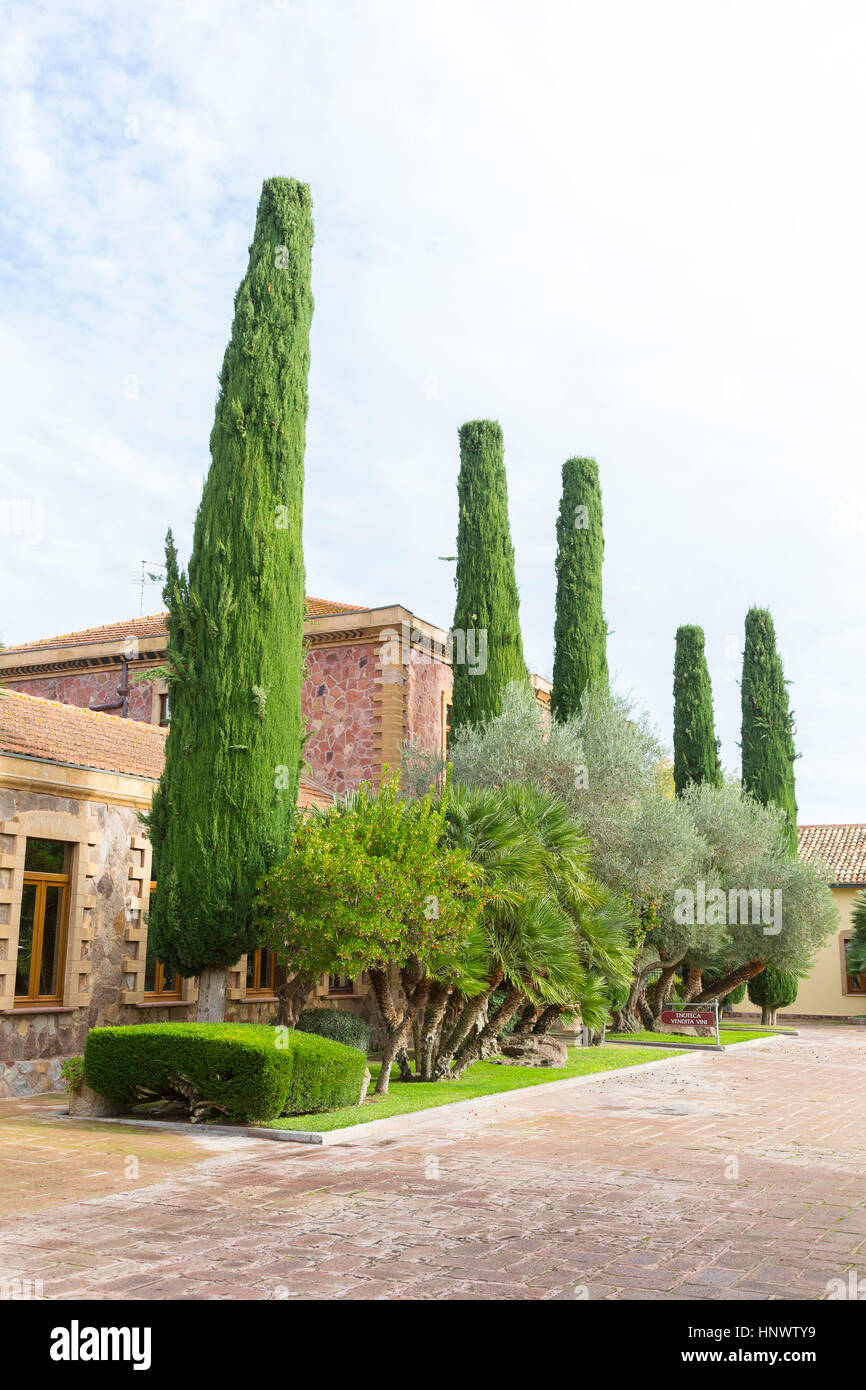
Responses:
[403,1126]
[391,1125]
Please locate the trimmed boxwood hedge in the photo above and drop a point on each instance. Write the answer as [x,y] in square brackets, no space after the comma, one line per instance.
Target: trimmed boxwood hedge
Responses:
[255,1072]
[337,1024]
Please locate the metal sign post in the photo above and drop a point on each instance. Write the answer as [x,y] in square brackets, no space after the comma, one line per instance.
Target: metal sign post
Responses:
[718,1040]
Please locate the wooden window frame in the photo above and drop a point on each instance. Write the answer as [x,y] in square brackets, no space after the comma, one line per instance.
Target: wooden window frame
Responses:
[445,721]
[152,996]
[41,882]
[847,977]
[257,990]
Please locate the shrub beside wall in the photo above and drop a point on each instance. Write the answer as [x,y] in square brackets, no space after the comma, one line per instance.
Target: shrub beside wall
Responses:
[247,1072]
[337,1024]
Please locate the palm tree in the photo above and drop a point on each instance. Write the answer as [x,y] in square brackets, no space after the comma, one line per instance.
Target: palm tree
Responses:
[531,941]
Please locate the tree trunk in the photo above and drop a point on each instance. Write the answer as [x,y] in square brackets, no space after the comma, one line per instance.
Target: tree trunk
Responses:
[768,1016]
[662,991]
[692,984]
[434,1017]
[391,1022]
[474,1048]
[730,981]
[397,1026]
[526,1021]
[547,1018]
[416,1040]
[211,1006]
[293,991]
[636,1012]
[463,1027]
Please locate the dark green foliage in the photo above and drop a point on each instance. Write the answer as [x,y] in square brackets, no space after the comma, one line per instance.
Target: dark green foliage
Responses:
[487,601]
[736,996]
[338,1024]
[580,631]
[696,748]
[857,944]
[253,1072]
[773,989]
[225,806]
[768,725]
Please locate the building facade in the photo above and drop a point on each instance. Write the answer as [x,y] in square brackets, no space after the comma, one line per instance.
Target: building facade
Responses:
[832,990]
[375,678]
[75,886]
[83,722]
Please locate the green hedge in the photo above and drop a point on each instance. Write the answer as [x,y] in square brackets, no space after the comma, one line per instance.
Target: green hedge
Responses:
[253,1071]
[337,1024]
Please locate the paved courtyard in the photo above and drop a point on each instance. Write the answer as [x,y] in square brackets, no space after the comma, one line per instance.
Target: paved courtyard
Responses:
[720,1176]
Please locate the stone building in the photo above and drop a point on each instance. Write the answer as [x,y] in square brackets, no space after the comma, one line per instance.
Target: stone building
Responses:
[832,990]
[75,888]
[83,721]
[376,677]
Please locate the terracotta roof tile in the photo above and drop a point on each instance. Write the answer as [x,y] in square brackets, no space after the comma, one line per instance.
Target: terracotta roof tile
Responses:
[56,733]
[153,625]
[51,732]
[842,848]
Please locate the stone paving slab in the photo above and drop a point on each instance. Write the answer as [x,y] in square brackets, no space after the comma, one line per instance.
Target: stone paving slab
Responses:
[734,1175]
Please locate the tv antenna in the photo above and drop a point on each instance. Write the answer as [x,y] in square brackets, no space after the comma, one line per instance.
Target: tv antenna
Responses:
[155,575]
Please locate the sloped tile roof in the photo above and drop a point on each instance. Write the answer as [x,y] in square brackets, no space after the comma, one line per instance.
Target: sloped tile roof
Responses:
[842,847]
[56,733]
[51,732]
[153,625]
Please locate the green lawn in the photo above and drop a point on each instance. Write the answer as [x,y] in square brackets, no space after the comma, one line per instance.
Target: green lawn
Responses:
[482,1079]
[725,1037]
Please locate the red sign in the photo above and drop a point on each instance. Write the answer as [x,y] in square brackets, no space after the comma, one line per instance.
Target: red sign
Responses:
[689,1018]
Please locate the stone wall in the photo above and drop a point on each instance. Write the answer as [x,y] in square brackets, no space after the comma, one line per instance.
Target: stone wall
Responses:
[429,684]
[98,974]
[338,702]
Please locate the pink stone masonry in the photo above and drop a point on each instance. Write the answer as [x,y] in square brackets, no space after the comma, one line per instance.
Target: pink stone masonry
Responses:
[338,702]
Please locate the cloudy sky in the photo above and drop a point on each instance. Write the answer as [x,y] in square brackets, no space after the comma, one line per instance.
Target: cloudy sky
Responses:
[627,230]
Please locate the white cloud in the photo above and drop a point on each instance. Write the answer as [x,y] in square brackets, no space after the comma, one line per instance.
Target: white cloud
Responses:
[627,230]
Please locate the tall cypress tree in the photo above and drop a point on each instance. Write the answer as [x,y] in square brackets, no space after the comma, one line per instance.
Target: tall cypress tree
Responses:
[580,631]
[225,807]
[486,615]
[696,748]
[768,725]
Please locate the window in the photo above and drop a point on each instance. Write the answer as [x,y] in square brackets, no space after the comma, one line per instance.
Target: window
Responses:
[341,984]
[261,966]
[854,984]
[158,982]
[163,711]
[42,926]
[445,722]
